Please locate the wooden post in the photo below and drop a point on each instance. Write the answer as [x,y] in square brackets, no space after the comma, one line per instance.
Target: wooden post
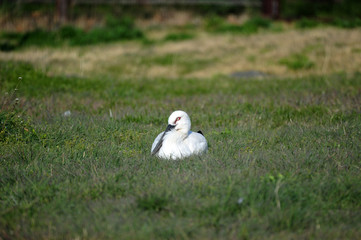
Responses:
[62,10]
[271,8]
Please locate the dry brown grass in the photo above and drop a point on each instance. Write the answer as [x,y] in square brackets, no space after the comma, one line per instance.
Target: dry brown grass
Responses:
[331,49]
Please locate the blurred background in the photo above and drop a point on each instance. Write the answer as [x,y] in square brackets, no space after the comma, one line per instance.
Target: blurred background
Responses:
[51,22]
[267,36]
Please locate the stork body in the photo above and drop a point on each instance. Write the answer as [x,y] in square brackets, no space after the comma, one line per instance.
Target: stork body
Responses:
[178,141]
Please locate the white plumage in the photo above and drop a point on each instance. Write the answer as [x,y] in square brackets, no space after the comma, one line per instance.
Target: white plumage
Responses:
[178,141]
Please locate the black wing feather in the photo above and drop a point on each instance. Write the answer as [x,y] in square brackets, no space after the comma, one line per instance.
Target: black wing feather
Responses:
[160,143]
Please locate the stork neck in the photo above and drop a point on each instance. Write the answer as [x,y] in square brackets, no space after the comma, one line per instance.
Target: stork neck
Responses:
[183,132]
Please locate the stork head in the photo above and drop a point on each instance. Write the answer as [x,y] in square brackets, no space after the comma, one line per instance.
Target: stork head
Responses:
[181,121]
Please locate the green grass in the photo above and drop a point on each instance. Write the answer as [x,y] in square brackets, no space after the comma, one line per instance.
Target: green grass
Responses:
[181,36]
[297,62]
[290,148]
[184,63]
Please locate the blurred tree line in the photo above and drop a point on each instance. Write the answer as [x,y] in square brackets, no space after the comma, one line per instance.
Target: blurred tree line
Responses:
[293,9]
[326,10]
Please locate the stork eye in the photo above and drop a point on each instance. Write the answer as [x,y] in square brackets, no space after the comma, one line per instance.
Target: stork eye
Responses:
[177,119]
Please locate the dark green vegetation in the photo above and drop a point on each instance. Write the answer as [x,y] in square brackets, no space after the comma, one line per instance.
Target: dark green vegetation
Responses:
[217,24]
[124,29]
[284,158]
[114,30]
[178,36]
[309,13]
[304,23]
[346,9]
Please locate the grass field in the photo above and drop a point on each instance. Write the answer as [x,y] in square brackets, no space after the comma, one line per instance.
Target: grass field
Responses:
[284,150]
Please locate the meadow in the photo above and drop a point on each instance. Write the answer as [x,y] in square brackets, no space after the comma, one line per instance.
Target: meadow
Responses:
[78,122]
